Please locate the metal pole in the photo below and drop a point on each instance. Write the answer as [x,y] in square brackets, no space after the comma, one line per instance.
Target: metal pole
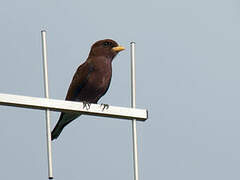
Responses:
[133,104]
[48,130]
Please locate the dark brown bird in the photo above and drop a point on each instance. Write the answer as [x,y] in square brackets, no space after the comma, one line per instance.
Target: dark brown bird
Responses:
[91,80]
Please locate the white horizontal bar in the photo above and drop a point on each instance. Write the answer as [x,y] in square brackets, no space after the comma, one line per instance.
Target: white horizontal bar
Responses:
[71,106]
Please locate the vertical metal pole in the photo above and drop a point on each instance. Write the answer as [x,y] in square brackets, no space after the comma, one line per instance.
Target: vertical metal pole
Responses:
[133,104]
[48,130]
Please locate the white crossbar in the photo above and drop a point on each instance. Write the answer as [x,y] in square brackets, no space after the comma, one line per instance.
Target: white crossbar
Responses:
[71,106]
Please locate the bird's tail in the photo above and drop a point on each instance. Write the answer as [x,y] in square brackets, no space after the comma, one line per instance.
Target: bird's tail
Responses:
[65,118]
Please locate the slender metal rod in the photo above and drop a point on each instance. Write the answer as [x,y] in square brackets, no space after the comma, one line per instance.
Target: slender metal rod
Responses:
[48,129]
[133,105]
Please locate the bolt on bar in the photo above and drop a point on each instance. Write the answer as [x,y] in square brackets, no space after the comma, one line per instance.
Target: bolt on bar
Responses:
[133,105]
[48,129]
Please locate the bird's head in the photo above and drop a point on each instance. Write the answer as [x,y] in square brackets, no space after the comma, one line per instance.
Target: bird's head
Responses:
[107,47]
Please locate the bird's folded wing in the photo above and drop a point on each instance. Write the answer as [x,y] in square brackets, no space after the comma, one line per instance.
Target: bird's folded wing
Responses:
[79,80]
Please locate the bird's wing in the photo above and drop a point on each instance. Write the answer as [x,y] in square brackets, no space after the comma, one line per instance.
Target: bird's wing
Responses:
[79,80]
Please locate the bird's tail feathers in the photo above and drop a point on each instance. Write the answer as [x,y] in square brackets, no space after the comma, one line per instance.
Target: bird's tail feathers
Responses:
[65,118]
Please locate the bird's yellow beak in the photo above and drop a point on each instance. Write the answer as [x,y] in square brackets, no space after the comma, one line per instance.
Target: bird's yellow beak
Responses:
[118,48]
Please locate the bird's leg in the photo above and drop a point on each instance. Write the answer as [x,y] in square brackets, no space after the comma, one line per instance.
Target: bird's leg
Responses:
[86,105]
[105,106]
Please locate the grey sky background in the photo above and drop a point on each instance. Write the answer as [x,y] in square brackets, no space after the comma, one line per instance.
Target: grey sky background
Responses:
[187,77]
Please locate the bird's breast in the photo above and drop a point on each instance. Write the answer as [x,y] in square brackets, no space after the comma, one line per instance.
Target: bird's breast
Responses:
[100,79]
[97,82]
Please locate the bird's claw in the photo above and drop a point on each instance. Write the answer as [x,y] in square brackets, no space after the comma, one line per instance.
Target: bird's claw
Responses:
[105,106]
[86,105]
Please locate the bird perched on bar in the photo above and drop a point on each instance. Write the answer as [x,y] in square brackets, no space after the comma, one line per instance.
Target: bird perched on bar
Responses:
[91,80]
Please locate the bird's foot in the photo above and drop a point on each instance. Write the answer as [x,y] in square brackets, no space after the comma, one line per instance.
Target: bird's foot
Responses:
[86,105]
[105,106]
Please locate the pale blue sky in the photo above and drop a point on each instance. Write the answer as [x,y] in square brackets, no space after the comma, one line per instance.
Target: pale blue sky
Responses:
[187,77]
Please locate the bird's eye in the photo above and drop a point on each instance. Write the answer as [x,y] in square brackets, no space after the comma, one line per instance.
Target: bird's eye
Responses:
[107,44]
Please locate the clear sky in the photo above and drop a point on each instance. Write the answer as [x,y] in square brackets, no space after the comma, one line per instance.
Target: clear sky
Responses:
[187,55]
